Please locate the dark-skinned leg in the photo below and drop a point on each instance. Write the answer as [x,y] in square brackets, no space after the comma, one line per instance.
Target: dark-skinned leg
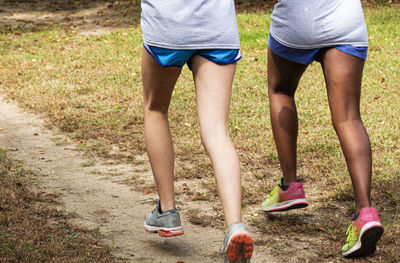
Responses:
[158,84]
[343,75]
[283,79]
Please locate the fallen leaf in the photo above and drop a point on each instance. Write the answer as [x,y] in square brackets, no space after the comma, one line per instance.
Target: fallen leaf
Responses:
[146,192]
[50,196]
[96,246]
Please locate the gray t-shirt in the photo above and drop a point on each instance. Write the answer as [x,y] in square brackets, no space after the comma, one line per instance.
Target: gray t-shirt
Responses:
[183,24]
[307,24]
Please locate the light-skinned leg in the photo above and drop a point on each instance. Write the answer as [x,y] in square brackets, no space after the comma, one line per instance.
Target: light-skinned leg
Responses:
[158,84]
[343,76]
[213,90]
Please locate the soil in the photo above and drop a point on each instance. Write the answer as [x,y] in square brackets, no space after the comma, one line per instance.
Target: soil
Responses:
[99,197]
[96,189]
[86,17]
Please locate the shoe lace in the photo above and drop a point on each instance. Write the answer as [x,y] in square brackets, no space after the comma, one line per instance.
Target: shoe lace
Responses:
[349,233]
[273,192]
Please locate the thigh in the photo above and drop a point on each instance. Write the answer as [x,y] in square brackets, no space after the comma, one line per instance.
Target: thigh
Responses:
[343,76]
[158,83]
[283,75]
[213,90]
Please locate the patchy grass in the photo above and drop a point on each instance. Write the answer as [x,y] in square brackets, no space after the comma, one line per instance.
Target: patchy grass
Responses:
[89,87]
[34,228]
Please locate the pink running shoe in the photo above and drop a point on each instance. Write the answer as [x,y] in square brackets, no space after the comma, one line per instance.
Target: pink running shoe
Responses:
[280,200]
[363,233]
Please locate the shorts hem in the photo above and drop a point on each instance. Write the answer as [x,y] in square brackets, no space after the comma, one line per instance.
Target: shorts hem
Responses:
[151,53]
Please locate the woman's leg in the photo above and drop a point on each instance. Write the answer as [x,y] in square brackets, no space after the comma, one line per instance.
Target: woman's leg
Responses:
[343,74]
[158,84]
[283,79]
[213,89]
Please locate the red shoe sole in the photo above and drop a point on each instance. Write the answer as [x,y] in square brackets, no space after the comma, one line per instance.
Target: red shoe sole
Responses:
[164,233]
[240,246]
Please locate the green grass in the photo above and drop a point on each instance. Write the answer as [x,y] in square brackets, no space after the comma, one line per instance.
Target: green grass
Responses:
[90,88]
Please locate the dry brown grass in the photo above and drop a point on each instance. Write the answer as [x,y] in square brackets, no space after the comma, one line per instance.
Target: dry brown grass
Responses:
[89,87]
[34,228]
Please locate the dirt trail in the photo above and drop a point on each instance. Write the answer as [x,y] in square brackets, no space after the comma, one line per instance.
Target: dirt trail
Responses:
[96,191]
[85,17]
[98,197]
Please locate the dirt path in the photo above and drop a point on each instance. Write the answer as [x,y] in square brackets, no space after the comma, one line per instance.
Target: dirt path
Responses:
[92,18]
[96,194]
[95,190]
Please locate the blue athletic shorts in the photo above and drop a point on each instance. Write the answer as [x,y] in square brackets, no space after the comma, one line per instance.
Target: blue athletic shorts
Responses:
[178,58]
[307,56]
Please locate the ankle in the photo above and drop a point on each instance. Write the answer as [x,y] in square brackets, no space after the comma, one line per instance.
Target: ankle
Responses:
[166,207]
[287,181]
[361,205]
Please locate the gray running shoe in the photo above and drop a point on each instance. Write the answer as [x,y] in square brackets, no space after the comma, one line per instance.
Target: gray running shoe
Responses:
[238,245]
[167,224]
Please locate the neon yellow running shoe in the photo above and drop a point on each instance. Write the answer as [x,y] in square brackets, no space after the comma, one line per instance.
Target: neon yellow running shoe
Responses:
[363,233]
[280,200]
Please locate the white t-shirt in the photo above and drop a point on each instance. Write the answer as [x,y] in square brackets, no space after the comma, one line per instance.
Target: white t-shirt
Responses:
[183,24]
[307,24]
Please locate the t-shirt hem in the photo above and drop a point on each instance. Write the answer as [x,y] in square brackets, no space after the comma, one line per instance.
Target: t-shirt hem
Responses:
[190,47]
[330,44]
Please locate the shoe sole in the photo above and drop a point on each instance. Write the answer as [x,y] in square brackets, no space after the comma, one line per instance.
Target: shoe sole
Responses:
[366,243]
[164,232]
[287,205]
[240,248]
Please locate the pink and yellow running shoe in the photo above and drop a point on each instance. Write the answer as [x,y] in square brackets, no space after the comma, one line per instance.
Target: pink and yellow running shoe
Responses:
[363,233]
[280,200]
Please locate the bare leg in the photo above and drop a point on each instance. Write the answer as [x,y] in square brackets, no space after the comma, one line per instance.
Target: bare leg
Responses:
[213,89]
[158,84]
[283,78]
[343,74]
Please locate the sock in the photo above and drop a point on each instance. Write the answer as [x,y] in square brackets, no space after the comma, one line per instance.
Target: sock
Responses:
[282,186]
[160,210]
[355,216]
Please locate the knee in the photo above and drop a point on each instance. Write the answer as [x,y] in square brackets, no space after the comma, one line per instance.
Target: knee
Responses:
[210,136]
[153,107]
[345,122]
[282,87]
